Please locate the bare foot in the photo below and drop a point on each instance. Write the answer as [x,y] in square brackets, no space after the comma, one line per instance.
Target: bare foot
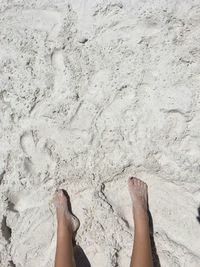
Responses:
[138,192]
[64,216]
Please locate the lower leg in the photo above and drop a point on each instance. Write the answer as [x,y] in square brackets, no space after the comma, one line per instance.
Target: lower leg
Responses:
[142,254]
[64,249]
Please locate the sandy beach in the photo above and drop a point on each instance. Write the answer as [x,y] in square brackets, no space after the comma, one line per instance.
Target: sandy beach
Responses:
[91,93]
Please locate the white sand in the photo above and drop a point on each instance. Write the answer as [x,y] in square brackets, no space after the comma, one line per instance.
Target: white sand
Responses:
[92,92]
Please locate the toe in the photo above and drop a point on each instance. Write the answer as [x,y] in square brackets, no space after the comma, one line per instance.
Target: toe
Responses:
[137,181]
[130,180]
[55,196]
[60,193]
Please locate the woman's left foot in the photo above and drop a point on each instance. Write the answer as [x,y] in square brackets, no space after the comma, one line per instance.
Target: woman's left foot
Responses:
[64,216]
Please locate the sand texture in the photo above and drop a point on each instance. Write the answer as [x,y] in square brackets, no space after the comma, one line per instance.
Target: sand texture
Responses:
[92,92]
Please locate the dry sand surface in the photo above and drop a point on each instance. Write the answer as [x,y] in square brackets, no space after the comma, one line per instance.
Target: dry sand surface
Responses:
[92,92]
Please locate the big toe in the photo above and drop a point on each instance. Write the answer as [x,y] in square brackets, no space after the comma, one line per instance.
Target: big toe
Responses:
[132,182]
[59,197]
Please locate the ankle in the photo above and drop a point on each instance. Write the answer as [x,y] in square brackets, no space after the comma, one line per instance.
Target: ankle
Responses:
[139,209]
[140,213]
[62,231]
[64,225]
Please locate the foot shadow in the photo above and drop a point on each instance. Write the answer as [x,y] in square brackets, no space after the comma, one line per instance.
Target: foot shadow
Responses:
[79,255]
[198,217]
[156,260]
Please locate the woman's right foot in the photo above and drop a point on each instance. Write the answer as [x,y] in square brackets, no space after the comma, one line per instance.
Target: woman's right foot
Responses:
[139,194]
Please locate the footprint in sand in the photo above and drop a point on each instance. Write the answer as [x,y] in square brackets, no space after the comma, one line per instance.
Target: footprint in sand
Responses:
[26,199]
[36,157]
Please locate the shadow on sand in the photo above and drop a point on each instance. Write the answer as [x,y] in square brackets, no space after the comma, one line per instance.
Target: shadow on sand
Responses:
[198,216]
[156,261]
[79,255]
